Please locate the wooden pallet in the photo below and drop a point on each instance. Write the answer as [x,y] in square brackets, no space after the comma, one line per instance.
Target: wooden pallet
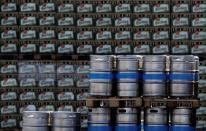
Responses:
[114,102]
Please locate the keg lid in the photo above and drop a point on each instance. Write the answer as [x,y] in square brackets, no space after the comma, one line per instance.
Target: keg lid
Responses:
[157,58]
[99,110]
[126,110]
[102,58]
[181,58]
[65,114]
[35,114]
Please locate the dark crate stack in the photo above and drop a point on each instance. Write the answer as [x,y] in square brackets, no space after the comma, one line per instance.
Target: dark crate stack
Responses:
[69,37]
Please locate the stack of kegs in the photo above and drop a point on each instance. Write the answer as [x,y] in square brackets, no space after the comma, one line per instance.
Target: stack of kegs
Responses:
[35,121]
[101,75]
[127,76]
[154,75]
[183,119]
[99,119]
[127,119]
[183,75]
[156,119]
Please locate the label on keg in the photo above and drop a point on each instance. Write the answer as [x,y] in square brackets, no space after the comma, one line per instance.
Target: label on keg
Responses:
[27,82]
[201,110]
[180,35]
[200,124]
[46,48]
[180,49]
[104,49]
[6,96]
[84,22]
[158,8]
[9,21]
[9,109]
[181,8]
[65,69]
[199,22]
[65,108]
[122,35]
[66,8]
[104,21]
[66,21]
[65,96]
[83,83]
[83,69]
[163,21]
[47,20]
[82,96]
[83,109]
[65,82]
[140,8]
[122,49]
[82,8]
[84,123]
[47,34]
[141,35]
[122,8]
[65,48]
[27,108]
[28,34]
[180,21]
[199,35]
[103,8]
[28,7]
[47,68]
[8,68]
[142,49]
[199,8]
[47,108]
[104,35]
[202,69]
[8,7]
[27,68]
[85,35]
[46,82]
[124,21]
[8,34]
[160,49]
[30,20]
[8,123]
[197,49]
[47,7]
[84,49]
[142,21]
[27,96]
[66,35]
[202,96]
[8,82]
[8,48]
[28,48]
[46,96]
[161,35]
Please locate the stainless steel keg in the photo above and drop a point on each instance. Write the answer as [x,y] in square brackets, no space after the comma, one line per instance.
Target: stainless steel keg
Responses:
[154,89]
[127,63]
[100,89]
[101,62]
[182,89]
[156,116]
[128,89]
[101,76]
[99,116]
[127,76]
[183,116]
[66,121]
[127,116]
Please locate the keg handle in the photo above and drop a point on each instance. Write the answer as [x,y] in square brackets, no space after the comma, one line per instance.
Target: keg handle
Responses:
[102,103]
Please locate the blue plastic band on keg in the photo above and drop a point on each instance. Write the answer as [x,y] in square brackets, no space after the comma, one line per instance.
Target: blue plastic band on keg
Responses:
[190,77]
[101,76]
[99,128]
[127,75]
[182,128]
[128,127]
[154,76]
[156,128]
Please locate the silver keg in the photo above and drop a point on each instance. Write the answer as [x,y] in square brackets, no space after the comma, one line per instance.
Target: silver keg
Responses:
[101,62]
[35,121]
[100,116]
[183,116]
[66,121]
[128,89]
[100,89]
[127,63]
[156,116]
[127,116]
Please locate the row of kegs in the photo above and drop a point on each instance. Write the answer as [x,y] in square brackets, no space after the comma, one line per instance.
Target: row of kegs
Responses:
[155,75]
[151,119]
[57,121]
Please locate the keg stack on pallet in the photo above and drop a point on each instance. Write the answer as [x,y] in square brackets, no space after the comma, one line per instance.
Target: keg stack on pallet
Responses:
[167,84]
